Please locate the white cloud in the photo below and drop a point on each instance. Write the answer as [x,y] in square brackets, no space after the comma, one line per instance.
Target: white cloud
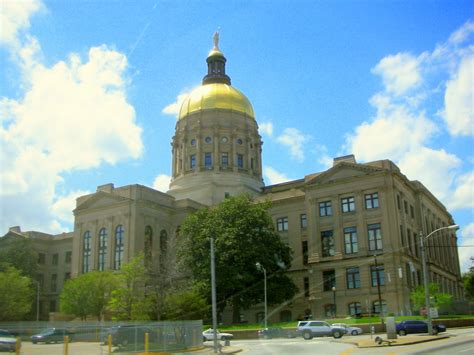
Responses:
[72,115]
[399,72]
[462,33]
[466,252]
[173,108]
[294,140]
[162,183]
[15,18]
[273,176]
[266,128]
[459,100]
[463,196]
[64,205]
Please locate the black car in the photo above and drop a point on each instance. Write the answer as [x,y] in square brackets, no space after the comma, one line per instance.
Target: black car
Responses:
[270,333]
[51,335]
[417,326]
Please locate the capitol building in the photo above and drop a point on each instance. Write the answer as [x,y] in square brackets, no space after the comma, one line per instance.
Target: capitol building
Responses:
[353,229]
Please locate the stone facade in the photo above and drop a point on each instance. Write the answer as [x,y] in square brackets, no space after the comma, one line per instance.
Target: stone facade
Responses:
[350,227]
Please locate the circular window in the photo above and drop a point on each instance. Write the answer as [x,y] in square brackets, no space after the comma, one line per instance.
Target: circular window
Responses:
[193,142]
[208,140]
[225,139]
[239,141]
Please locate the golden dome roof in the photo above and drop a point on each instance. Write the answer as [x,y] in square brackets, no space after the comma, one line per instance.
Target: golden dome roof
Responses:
[216,96]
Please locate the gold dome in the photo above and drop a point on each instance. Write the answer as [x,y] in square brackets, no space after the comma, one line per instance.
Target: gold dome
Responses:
[216,96]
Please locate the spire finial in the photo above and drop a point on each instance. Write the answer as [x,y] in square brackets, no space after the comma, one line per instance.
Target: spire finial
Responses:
[216,39]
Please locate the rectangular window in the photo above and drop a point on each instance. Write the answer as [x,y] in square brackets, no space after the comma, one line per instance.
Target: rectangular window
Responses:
[412,212]
[192,161]
[348,204]
[303,221]
[353,277]
[329,280]
[350,240]
[398,202]
[409,241]
[52,306]
[375,236]
[306,286]
[282,224]
[304,246]
[405,206]
[225,160]
[54,282]
[208,160]
[355,309]
[55,259]
[415,244]
[41,258]
[68,257]
[381,275]
[240,160]
[40,279]
[251,163]
[402,236]
[325,208]
[67,276]
[372,200]
[327,243]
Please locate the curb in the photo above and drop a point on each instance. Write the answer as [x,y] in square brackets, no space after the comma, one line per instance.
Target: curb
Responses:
[397,342]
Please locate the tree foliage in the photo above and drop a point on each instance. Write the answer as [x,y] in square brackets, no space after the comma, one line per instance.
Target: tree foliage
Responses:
[187,304]
[129,301]
[16,294]
[19,253]
[88,294]
[468,280]
[244,234]
[437,299]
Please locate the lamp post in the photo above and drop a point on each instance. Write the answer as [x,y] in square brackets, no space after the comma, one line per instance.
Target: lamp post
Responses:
[334,300]
[425,272]
[260,268]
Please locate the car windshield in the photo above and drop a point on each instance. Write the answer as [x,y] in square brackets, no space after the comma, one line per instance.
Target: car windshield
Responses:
[47,331]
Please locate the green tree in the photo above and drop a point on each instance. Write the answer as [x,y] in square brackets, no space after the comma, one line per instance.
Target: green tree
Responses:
[437,299]
[189,304]
[16,294]
[468,280]
[244,234]
[88,294]
[129,301]
[18,251]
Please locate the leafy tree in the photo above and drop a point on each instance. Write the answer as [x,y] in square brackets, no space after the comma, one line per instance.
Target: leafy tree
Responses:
[437,300]
[188,304]
[244,234]
[18,252]
[468,279]
[88,294]
[16,294]
[129,301]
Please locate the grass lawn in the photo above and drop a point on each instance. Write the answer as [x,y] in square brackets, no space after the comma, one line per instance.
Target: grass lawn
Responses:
[363,320]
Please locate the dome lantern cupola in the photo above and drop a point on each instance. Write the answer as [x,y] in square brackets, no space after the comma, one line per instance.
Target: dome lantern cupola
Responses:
[216,65]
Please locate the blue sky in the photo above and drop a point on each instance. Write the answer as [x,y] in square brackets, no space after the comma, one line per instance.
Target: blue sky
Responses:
[89,91]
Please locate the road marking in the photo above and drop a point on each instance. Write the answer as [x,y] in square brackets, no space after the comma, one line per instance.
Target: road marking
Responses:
[348,351]
[463,351]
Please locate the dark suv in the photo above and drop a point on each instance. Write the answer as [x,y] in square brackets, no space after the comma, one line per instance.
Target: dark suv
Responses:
[315,328]
[418,326]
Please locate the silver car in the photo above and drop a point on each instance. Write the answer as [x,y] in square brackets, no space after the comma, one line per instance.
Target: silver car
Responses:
[349,329]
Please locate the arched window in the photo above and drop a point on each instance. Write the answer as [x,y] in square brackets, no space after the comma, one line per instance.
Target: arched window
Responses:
[376,307]
[86,252]
[102,248]
[119,247]
[163,241]
[285,316]
[354,309]
[148,247]
[330,310]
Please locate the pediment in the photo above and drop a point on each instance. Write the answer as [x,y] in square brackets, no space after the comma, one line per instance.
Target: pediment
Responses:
[343,171]
[100,200]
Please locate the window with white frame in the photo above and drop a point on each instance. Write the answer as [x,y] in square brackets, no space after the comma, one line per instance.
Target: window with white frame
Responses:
[348,204]
[282,224]
[375,236]
[350,240]
[372,200]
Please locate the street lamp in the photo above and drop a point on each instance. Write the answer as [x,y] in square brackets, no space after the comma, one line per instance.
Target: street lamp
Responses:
[425,271]
[334,300]
[260,268]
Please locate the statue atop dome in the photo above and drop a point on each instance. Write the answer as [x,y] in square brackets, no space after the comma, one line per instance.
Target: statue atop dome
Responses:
[215,38]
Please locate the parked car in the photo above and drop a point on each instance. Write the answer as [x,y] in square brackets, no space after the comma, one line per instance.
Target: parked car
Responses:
[316,328]
[7,341]
[349,329]
[209,335]
[270,333]
[51,335]
[417,326]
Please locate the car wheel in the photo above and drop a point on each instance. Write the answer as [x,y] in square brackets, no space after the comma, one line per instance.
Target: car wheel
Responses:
[125,342]
[354,332]
[337,334]
[402,332]
[307,336]
[435,331]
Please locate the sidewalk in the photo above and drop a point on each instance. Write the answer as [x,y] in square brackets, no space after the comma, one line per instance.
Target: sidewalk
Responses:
[401,340]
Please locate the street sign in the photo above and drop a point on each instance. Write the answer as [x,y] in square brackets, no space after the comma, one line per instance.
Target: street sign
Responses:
[434,312]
